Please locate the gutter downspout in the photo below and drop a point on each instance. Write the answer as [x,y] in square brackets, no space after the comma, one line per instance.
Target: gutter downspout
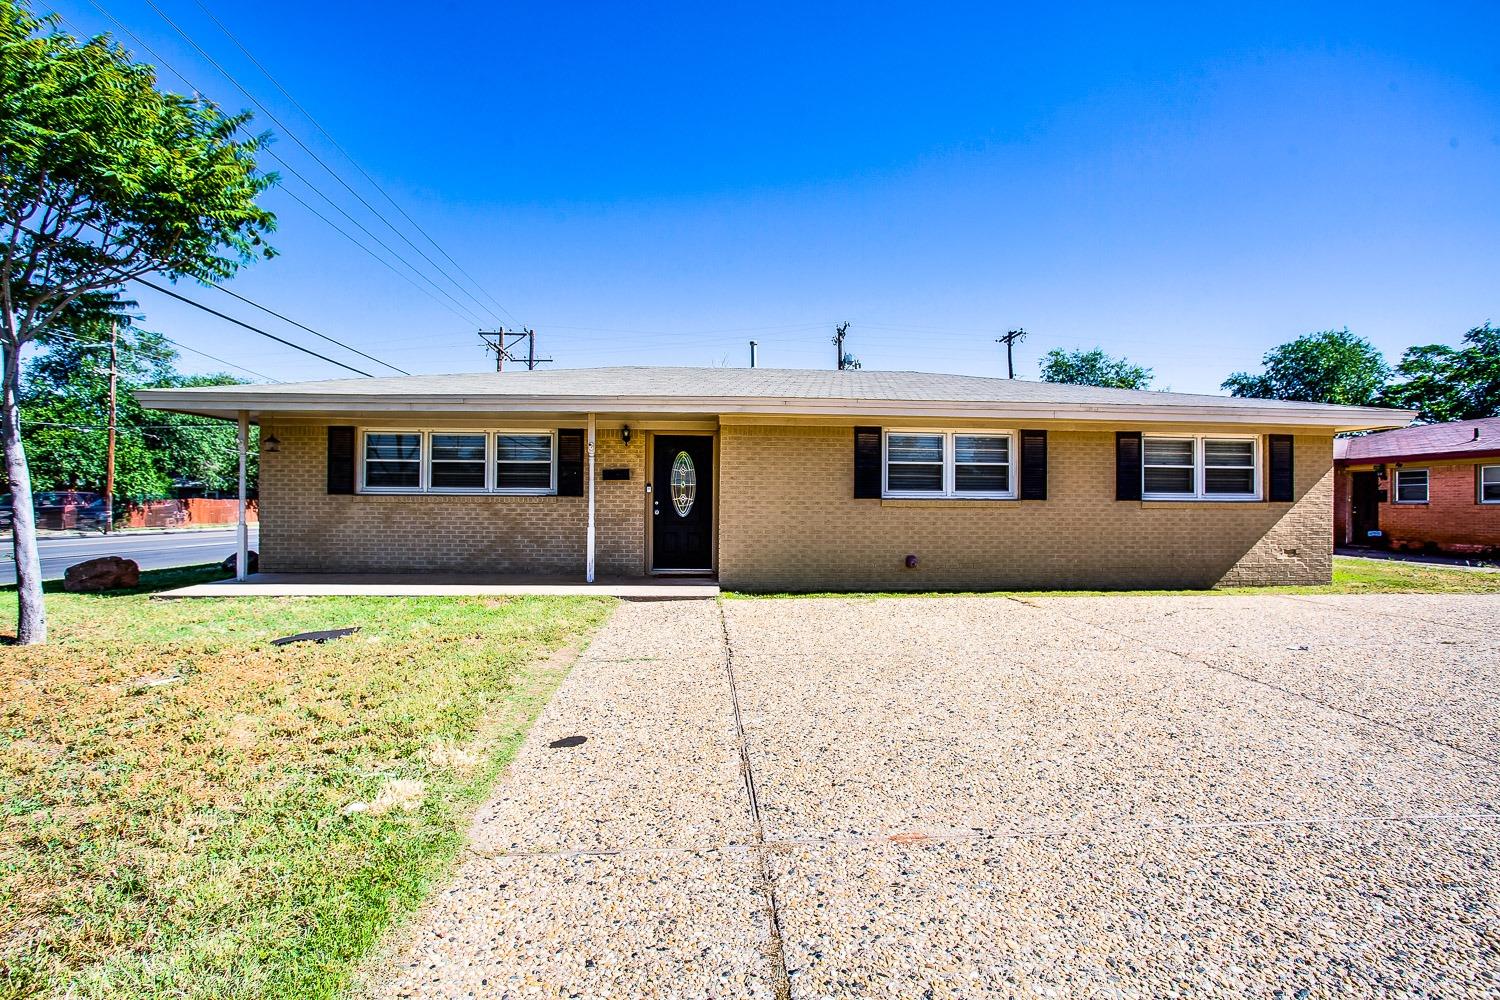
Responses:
[588,571]
[242,545]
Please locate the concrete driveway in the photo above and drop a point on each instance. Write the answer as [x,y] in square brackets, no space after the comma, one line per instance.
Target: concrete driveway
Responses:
[962,797]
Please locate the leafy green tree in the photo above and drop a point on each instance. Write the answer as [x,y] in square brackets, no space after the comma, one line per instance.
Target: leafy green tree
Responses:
[1445,383]
[1333,366]
[1080,367]
[103,178]
[65,413]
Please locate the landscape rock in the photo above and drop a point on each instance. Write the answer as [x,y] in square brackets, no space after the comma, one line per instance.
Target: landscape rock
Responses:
[104,573]
[252,559]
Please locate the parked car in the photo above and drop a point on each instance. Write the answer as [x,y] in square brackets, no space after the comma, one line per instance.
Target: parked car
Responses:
[69,509]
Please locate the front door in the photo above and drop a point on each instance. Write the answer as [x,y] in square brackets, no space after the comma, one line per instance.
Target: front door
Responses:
[1364,508]
[682,503]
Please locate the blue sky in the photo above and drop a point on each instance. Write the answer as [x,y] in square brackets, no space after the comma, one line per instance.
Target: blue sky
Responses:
[661,184]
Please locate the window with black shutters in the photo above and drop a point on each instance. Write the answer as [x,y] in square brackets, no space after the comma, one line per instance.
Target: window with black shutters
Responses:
[924,464]
[1200,467]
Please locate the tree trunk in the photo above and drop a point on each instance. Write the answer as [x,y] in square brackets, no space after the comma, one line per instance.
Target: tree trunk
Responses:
[31,627]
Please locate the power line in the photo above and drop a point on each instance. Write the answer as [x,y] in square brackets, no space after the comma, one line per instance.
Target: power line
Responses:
[355,163]
[464,315]
[254,329]
[303,326]
[310,152]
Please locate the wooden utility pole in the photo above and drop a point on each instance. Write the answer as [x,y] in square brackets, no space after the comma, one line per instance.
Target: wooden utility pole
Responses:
[505,344]
[838,344]
[1010,340]
[109,460]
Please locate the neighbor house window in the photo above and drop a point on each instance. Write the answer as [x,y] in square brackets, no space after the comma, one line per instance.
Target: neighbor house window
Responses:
[1411,485]
[393,460]
[458,461]
[927,464]
[523,463]
[1200,467]
[1489,484]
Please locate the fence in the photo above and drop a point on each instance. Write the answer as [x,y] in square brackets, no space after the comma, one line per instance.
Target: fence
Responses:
[182,513]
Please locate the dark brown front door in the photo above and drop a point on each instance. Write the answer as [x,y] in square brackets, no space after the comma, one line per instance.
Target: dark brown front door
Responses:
[682,503]
[1364,509]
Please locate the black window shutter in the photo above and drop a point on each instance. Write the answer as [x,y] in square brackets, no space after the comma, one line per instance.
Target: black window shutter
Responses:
[1281,468]
[1033,465]
[570,463]
[340,460]
[866,463]
[1127,465]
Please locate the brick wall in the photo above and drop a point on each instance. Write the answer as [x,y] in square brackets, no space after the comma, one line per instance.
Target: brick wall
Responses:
[1452,520]
[789,522]
[304,530]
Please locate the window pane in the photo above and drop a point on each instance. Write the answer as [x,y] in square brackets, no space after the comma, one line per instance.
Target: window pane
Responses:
[982,478]
[523,476]
[974,448]
[1169,451]
[1160,480]
[393,475]
[458,447]
[1492,475]
[458,475]
[914,448]
[393,446]
[1229,481]
[1228,452]
[1412,486]
[523,448]
[914,478]
[1492,492]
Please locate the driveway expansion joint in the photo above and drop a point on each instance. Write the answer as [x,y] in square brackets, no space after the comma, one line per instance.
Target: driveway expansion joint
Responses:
[1288,692]
[776,951]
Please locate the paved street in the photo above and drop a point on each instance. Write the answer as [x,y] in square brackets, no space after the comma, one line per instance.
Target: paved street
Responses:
[980,797]
[151,551]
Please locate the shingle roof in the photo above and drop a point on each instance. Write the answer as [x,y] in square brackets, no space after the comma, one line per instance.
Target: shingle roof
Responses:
[1457,439]
[734,390]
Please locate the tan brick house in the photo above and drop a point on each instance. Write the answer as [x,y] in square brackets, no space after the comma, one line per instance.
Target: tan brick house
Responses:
[1435,487]
[778,479]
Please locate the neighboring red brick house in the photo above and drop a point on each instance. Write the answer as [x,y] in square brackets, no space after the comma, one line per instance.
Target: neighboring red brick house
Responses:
[1434,487]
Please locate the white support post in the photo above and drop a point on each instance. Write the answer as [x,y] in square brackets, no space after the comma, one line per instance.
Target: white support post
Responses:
[588,572]
[242,551]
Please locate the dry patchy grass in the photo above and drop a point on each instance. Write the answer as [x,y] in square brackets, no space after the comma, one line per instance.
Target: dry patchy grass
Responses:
[176,791]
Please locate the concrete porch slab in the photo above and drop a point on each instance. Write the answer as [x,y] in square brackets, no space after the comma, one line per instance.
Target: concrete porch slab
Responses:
[447,585]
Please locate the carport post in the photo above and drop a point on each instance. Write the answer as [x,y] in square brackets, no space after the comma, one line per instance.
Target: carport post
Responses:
[588,569]
[242,549]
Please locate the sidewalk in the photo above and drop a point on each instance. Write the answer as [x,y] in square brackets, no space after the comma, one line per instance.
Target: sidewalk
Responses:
[1451,562]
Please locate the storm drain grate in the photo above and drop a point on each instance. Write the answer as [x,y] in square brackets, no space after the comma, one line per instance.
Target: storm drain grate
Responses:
[323,636]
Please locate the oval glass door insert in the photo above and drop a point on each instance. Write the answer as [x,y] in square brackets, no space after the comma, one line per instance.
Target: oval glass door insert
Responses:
[684,483]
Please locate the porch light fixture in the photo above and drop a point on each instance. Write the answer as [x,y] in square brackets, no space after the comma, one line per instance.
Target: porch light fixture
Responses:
[271,444]
[625,433]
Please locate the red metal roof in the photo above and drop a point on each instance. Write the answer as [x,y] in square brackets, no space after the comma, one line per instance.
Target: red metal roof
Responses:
[1460,439]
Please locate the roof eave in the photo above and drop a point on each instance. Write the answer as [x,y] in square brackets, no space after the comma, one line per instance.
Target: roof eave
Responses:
[228,404]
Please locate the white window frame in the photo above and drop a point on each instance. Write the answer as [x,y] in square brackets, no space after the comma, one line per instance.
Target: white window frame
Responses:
[1200,478]
[1426,486]
[424,462]
[491,472]
[1482,470]
[950,474]
[364,456]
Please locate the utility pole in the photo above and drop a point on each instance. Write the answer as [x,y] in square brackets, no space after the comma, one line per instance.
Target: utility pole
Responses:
[109,461]
[505,345]
[752,353]
[838,344]
[1010,340]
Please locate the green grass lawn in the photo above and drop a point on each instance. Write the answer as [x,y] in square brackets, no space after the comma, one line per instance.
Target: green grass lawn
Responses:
[176,790]
[1350,576]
